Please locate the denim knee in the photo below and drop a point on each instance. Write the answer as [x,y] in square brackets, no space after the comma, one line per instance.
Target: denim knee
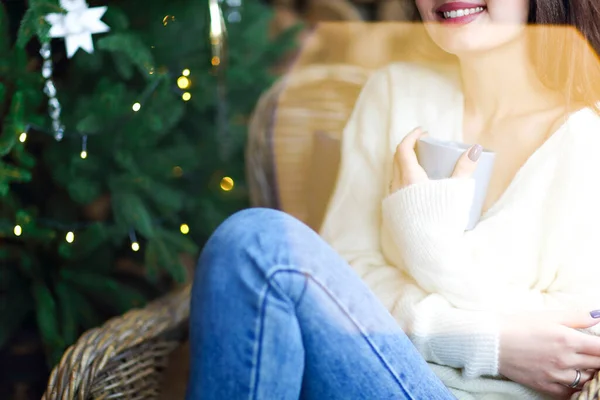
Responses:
[250,222]
[248,231]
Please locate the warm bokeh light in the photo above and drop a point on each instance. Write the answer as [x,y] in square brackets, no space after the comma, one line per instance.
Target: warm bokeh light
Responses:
[227,184]
[136,107]
[23,137]
[83,154]
[167,19]
[18,230]
[177,172]
[185,72]
[184,228]
[186,96]
[183,82]
[135,246]
[215,61]
[70,237]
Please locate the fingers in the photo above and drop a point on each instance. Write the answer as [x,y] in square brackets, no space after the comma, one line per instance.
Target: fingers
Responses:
[568,377]
[405,151]
[406,169]
[578,320]
[586,376]
[465,167]
[558,391]
[587,344]
[584,361]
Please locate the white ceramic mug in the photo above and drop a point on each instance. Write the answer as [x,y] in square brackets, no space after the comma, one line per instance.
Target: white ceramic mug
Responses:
[439,157]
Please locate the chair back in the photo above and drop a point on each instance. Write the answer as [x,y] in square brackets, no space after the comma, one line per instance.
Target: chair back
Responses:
[292,153]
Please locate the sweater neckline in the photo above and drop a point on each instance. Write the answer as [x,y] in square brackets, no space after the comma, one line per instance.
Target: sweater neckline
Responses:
[538,154]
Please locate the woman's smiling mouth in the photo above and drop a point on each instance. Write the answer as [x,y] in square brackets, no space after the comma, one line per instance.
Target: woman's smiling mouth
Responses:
[459,12]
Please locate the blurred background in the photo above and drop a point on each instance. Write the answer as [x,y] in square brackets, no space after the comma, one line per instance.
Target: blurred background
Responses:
[129,130]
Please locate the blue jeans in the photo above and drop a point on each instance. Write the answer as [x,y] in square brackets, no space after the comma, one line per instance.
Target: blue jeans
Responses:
[276,314]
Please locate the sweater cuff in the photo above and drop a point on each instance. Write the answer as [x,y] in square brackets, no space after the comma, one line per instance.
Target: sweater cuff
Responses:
[439,205]
[470,341]
[479,340]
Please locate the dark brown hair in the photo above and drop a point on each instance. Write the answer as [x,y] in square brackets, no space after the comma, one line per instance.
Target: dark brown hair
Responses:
[563,60]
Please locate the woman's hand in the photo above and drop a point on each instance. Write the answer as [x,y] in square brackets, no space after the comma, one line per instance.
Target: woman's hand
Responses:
[545,351]
[407,170]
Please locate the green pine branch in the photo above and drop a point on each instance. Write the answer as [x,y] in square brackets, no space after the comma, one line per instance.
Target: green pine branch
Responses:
[33,24]
[159,166]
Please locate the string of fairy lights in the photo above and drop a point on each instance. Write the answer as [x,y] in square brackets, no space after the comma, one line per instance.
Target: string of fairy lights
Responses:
[184,83]
[217,37]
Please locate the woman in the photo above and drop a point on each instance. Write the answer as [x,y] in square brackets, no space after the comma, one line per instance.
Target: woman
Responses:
[398,302]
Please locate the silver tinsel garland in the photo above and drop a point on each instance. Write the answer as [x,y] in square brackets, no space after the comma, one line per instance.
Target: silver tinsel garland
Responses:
[54,108]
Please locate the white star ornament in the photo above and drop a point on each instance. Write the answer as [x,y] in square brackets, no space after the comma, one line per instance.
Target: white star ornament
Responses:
[78,25]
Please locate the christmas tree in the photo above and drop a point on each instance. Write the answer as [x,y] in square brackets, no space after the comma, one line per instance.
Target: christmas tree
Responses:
[121,144]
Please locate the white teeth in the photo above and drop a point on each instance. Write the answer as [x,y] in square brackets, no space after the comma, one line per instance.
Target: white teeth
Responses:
[462,13]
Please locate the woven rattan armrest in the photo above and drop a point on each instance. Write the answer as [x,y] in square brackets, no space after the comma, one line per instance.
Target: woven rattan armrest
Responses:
[126,357]
[591,390]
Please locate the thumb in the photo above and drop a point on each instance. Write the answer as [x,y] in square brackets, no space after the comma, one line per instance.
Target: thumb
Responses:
[467,162]
[580,319]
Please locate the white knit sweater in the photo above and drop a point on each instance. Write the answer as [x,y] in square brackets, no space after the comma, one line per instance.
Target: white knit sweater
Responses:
[536,248]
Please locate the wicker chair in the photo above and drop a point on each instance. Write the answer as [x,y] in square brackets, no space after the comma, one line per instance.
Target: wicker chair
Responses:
[126,358]
[310,100]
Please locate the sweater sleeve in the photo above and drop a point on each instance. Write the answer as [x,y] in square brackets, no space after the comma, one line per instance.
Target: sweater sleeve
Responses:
[443,334]
[427,222]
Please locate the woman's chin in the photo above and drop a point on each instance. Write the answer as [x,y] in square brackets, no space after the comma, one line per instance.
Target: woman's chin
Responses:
[464,48]
[473,40]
